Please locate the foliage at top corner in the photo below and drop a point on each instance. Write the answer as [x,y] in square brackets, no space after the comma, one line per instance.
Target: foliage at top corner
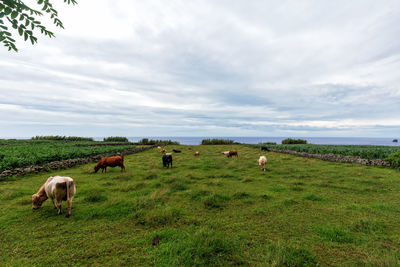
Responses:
[24,19]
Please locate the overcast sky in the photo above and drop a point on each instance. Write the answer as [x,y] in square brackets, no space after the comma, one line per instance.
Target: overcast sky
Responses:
[208,68]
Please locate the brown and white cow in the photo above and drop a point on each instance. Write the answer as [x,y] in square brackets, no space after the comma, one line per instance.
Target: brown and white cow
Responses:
[232,153]
[262,161]
[110,162]
[196,154]
[57,188]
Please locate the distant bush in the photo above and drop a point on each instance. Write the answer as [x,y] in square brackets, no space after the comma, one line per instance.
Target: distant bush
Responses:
[62,138]
[146,141]
[216,142]
[268,143]
[293,141]
[394,159]
[115,139]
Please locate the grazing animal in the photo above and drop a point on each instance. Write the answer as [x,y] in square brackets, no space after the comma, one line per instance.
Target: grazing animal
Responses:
[176,151]
[159,148]
[196,154]
[262,161]
[225,153]
[110,162]
[189,148]
[162,151]
[56,188]
[167,160]
[232,153]
[265,148]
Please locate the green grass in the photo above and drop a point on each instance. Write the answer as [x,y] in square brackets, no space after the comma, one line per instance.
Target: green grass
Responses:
[208,211]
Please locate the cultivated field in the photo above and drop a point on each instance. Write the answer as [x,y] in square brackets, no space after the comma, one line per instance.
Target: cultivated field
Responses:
[365,152]
[209,210]
[21,153]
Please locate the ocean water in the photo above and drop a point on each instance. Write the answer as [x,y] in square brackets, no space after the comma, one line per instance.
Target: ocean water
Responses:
[278,140]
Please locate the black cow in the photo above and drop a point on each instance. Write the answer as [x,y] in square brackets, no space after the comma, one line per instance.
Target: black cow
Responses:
[176,151]
[166,160]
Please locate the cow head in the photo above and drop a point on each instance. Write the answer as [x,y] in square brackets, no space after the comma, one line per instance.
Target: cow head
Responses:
[37,201]
[96,168]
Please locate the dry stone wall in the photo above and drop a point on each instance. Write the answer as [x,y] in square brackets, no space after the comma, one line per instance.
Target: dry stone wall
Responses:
[335,158]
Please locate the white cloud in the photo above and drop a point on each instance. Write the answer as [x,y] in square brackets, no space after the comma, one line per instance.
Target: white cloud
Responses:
[208,68]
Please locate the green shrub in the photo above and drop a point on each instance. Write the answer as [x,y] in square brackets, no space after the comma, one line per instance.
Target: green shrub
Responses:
[394,159]
[216,142]
[146,141]
[115,139]
[293,141]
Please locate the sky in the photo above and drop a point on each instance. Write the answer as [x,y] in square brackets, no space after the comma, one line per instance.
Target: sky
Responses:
[208,68]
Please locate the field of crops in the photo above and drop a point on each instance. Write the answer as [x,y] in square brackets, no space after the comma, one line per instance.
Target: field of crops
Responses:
[21,153]
[365,152]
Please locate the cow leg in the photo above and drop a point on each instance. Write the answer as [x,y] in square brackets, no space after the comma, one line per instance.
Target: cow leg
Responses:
[59,208]
[54,204]
[69,203]
[105,169]
[123,168]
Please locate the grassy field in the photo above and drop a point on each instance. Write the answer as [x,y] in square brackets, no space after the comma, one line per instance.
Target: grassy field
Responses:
[210,210]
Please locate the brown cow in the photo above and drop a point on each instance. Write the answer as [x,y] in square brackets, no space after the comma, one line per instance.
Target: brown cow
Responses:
[56,188]
[196,154]
[162,151]
[232,153]
[110,162]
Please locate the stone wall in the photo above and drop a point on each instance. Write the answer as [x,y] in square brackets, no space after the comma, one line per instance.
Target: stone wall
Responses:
[335,158]
[68,163]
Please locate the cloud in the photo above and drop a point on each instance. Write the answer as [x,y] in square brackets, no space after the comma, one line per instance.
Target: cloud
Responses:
[208,68]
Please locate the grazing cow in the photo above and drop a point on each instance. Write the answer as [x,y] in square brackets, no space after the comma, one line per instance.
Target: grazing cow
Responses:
[265,148]
[189,148]
[167,160]
[162,151]
[56,188]
[232,153]
[176,151]
[196,154]
[110,162]
[159,148]
[225,153]
[262,161]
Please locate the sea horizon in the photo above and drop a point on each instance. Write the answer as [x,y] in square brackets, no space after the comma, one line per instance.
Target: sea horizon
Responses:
[196,140]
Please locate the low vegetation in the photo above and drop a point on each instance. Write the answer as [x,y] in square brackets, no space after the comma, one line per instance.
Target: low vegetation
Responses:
[23,153]
[216,142]
[394,159]
[362,151]
[146,141]
[115,139]
[290,141]
[208,211]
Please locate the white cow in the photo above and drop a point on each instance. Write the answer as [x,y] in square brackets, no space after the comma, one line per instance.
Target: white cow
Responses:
[262,161]
[56,188]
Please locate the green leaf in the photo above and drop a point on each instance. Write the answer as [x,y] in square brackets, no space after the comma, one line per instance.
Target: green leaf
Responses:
[7,11]
[20,31]
[40,2]
[14,14]
[26,36]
